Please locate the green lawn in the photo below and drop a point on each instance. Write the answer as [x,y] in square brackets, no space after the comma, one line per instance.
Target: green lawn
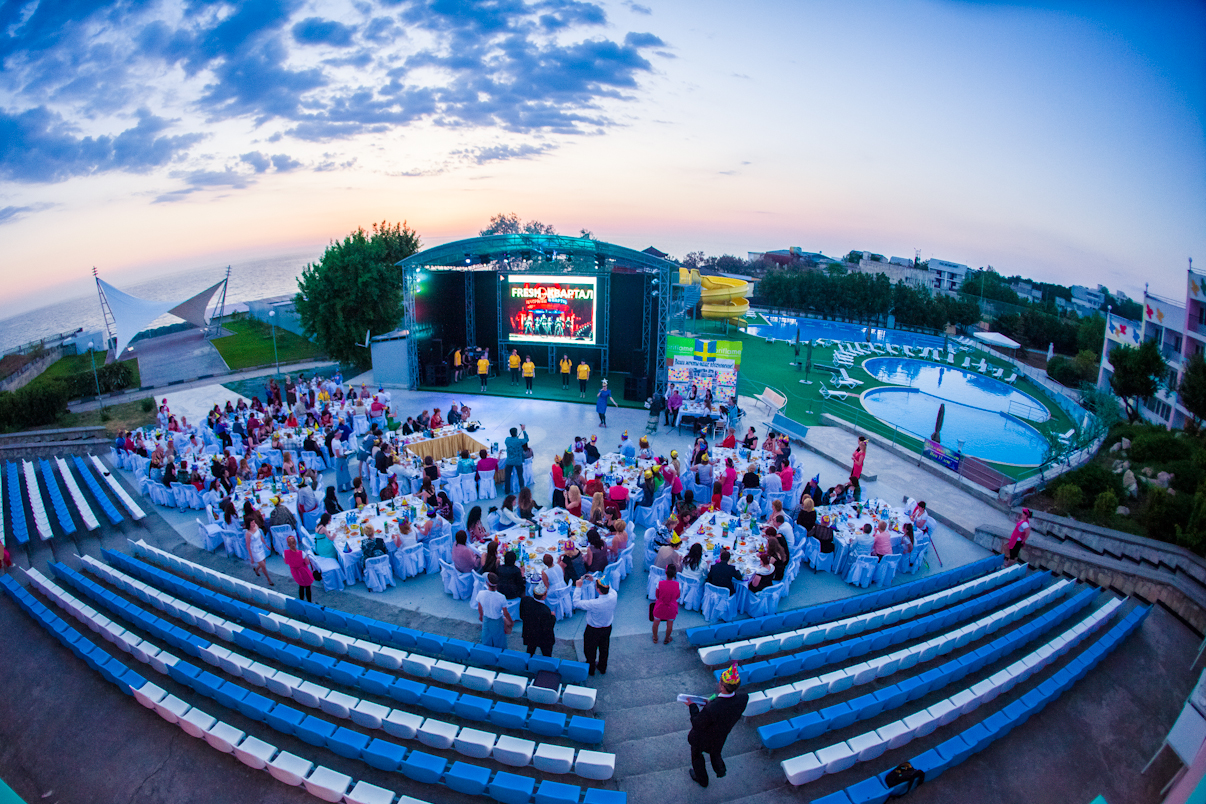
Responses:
[79,364]
[764,364]
[251,345]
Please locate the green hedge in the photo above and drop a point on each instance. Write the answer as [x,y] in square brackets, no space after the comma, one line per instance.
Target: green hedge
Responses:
[34,405]
[112,377]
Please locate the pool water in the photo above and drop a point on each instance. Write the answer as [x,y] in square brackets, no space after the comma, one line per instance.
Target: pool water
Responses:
[783,328]
[957,385]
[978,409]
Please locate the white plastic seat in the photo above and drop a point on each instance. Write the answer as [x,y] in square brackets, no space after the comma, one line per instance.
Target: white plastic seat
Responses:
[595,765]
[765,646]
[838,680]
[784,696]
[257,673]
[576,697]
[759,704]
[868,745]
[282,683]
[195,722]
[837,757]
[803,769]
[545,696]
[150,694]
[389,658]
[309,694]
[365,793]
[551,758]
[714,654]
[362,650]
[477,678]
[473,743]
[812,688]
[791,642]
[368,714]
[336,643]
[328,785]
[418,666]
[290,768]
[509,685]
[447,672]
[338,704]
[255,753]
[740,651]
[223,737]
[171,708]
[944,711]
[437,733]
[401,724]
[921,723]
[862,673]
[897,733]
[514,751]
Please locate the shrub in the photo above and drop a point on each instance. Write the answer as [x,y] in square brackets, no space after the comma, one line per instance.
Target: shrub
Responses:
[1093,479]
[1063,371]
[1187,475]
[1165,513]
[1068,498]
[147,405]
[34,405]
[1160,447]
[1105,505]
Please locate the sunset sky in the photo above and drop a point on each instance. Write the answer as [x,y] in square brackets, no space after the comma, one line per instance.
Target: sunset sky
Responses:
[1061,141]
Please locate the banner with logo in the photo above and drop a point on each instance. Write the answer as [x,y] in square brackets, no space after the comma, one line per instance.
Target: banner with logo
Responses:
[697,350]
[696,365]
[1121,330]
[950,458]
[1197,286]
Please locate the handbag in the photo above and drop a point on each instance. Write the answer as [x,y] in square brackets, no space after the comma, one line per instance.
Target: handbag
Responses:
[652,603]
[317,573]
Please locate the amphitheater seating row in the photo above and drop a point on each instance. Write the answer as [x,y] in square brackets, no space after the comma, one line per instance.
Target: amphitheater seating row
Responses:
[322,782]
[814,723]
[319,731]
[974,739]
[802,661]
[136,512]
[37,504]
[349,674]
[849,626]
[407,639]
[62,514]
[16,504]
[869,745]
[823,612]
[77,496]
[110,511]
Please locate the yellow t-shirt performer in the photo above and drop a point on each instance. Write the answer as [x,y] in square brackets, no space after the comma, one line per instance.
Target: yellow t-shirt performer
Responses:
[513,363]
[529,373]
[483,369]
[583,376]
[456,366]
[567,366]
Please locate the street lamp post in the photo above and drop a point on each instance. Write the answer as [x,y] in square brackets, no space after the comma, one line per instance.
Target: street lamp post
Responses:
[95,376]
[275,355]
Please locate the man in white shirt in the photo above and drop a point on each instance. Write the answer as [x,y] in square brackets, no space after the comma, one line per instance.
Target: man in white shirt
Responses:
[493,614]
[864,540]
[600,614]
[772,483]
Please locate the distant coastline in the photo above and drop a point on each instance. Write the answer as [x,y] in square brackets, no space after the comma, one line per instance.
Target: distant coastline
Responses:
[250,280]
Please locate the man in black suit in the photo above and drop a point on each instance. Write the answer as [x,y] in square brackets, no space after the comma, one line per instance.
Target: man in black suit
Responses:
[538,621]
[711,725]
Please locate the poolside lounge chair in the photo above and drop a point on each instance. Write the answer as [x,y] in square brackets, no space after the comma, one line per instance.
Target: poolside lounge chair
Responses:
[827,394]
[983,367]
[908,352]
[1012,378]
[1067,437]
[998,373]
[950,358]
[849,379]
[879,350]
[967,362]
[839,381]
[893,350]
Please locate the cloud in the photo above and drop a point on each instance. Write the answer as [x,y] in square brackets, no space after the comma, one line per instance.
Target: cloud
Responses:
[637,8]
[643,40]
[317,31]
[13,214]
[205,180]
[284,163]
[559,14]
[496,153]
[258,161]
[37,145]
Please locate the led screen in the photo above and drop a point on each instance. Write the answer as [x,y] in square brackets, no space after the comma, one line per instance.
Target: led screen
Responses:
[549,309]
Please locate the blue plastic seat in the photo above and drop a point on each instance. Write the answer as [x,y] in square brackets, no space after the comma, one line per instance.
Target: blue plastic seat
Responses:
[484,656]
[230,694]
[255,706]
[347,743]
[809,725]
[314,730]
[839,716]
[508,788]
[472,707]
[573,672]
[423,767]
[375,682]
[437,699]
[930,680]
[346,673]
[430,644]
[181,672]
[406,691]
[704,635]
[468,779]
[778,734]
[749,628]
[284,718]
[727,632]
[839,797]
[384,755]
[513,661]
[932,762]
[977,737]
[538,663]
[585,729]
[380,632]
[357,625]
[794,619]
[866,706]
[788,665]
[868,791]
[457,650]
[557,793]
[508,715]
[334,620]
[405,638]
[291,655]
[317,664]
[759,672]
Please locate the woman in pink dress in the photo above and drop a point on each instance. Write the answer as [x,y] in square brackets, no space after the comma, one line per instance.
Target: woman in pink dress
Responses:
[665,608]
[299,567]
[1021,532]
[856,471]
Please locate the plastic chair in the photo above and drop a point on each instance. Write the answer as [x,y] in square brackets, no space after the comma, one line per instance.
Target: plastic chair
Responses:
[691,589]
[437,550]
[612,573]
[718,604]
[656,576]
[377,575]
[765,603]
[486,490]
[280,536]
[457,584]
[916,558]
[211,535]
[409,561]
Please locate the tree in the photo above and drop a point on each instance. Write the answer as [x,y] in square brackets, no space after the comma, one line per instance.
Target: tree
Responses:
[355,288]
[1138,371]
[505,223]
[1091,333]
[1192,391]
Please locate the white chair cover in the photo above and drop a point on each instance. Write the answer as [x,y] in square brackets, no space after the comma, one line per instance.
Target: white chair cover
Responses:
[236,544]
[763,603]
[412,559]
[468,487]
[437,550]
[916,557]
[612,573]
[656,576]
[626,555]
[486,490]
[561,601]
[885,571]
[457,584]
[280,537]
[690,595]
[456,491]
[718,604]
[862,571]
[210,535]
[180,495]
[479,583]
[377,575]
[527,472]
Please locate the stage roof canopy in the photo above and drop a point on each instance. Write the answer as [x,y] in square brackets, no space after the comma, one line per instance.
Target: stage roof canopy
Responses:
[515,251]
[132,314]
[996,339]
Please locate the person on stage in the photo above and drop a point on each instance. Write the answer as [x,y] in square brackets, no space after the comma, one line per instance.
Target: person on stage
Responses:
[601,401]
[513,362]
[529,374]
[566,365]
[583,376]
[483,369]
[456,366]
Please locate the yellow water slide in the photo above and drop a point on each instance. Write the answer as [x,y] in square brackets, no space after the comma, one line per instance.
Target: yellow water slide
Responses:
[720,296]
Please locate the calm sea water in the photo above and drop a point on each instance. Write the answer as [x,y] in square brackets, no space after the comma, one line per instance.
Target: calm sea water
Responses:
[249,280]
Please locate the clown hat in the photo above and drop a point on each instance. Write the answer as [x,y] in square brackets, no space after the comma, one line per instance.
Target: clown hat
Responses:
[732,676]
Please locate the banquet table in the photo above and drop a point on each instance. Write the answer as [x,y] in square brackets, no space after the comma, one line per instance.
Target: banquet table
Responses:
[848,519]
[446,442]
[698,410]
[743,540]
[349,528]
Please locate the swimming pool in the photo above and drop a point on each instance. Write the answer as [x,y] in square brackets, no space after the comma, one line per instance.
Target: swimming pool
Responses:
[957,385]
[986,434]
[783,328]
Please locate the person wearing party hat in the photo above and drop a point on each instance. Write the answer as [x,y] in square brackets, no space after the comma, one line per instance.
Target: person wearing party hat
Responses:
[710,726]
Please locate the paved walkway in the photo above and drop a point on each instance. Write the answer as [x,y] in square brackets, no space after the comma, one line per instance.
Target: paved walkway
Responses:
[178,356]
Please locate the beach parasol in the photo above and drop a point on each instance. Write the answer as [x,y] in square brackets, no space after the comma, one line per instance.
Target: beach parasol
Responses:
[938,424]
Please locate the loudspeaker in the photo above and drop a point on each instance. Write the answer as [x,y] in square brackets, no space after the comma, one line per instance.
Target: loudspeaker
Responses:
[635,388]
[437,374]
